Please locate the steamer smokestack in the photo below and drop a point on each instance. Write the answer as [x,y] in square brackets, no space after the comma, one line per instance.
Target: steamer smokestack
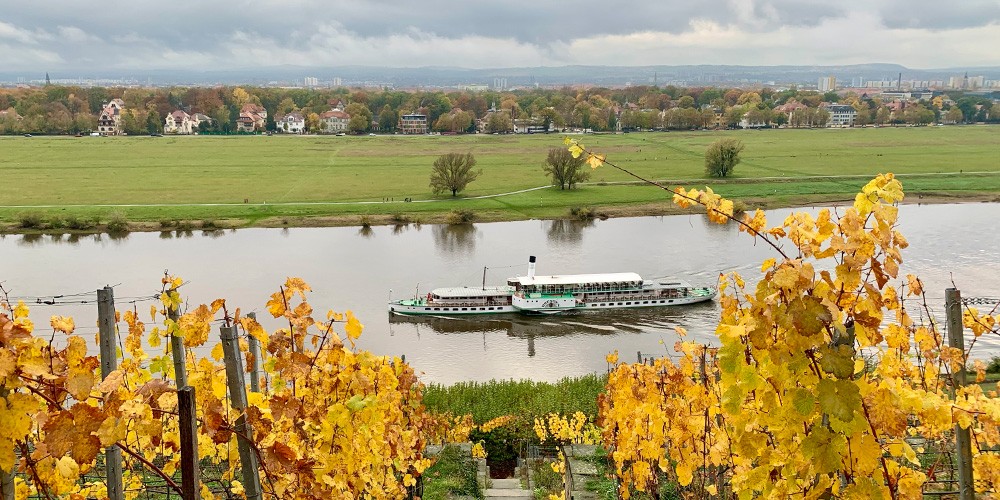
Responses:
[531,267]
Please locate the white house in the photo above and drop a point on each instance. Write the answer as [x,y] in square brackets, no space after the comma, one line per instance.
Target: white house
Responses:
[841,115]
[292,123]
[178,122]
[334,121]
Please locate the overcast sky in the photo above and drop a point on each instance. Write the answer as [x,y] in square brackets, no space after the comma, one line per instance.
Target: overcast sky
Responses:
[62,36]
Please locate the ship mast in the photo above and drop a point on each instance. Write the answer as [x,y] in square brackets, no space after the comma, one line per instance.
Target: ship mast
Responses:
[484,277]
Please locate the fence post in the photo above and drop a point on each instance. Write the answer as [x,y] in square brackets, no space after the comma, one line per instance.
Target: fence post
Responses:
[188,423]
[6,477]
[177,351]
[6,485]
[254,349]
[963,438]
[109,362]
[238,395]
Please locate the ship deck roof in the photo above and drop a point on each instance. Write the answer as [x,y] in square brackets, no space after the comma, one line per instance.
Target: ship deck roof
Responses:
[473,291]
[573,279]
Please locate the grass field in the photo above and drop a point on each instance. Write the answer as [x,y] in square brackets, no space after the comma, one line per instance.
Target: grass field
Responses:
[327,180]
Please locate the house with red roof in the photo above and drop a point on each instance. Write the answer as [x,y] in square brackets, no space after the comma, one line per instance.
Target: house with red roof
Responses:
[110,119]
[334,121]
[253,117]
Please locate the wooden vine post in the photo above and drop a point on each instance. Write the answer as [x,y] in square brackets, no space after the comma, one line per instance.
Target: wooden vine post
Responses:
[190,471]
[254,348]
[963,437]
[177,351]
[107,333]
[6,477]
[238,396]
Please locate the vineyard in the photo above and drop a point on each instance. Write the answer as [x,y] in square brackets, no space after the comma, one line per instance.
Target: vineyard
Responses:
[831,379]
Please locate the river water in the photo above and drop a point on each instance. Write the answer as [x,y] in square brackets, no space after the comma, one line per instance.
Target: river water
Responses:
[359,269]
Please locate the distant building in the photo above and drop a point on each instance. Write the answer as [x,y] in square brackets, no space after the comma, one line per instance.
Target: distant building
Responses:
[529,126]
[310,81]
[178,122]
[826,84]
[908,95]
[292,123]
[413,123]
[110,119]
[9,113]
[841,115]
[253,117]
[335,121]
[789,107]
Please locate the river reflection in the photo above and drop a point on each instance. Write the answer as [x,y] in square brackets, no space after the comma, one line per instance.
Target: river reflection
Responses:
[361,268]
[455,238]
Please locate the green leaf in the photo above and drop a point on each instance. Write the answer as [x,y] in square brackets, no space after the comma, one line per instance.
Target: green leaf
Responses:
[837,361]
[803,401]
[839,398]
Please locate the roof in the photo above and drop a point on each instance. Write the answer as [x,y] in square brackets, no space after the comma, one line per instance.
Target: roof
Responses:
[179,114]
[469,291]
[334,113]
[253,108]
[572,279]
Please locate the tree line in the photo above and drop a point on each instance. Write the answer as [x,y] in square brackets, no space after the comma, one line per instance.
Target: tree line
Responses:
[54,109]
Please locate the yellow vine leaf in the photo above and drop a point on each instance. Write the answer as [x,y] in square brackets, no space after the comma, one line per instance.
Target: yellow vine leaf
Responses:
[594,160]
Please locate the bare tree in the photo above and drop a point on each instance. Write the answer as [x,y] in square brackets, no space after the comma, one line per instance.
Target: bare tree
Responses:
[452,172]
[565,170]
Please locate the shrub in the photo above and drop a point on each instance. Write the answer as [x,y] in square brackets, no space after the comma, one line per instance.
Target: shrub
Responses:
[461,216]
[74,222]
[209,224]
[739,207]
[29,220]
[583,213]
[366,221]
[117,223]
[400,218]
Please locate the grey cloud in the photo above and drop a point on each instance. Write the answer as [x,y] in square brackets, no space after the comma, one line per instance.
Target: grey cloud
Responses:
[531,21]
[935,15]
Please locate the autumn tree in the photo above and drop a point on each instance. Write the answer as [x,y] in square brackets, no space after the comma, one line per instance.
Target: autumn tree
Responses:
[882,116]
[954,115]
[361,117]
[452,172]
[722,157]
[387,119]
[565,170]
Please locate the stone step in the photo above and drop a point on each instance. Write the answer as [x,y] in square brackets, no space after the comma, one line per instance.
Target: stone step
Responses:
[506,484]
[579,467]
[507,494]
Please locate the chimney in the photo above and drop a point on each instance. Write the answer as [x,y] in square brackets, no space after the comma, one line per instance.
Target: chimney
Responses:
[531,266]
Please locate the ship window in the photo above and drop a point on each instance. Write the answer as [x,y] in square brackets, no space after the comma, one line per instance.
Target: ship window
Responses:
[437,308]
[628,303]
[645,302]
[465,308]
[427,309]
[671,301]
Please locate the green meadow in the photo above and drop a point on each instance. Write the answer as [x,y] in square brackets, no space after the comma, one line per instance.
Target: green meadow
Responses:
[306,180]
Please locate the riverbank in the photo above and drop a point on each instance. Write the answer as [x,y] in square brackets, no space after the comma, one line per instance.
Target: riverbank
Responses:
[35,223]
[65,184]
